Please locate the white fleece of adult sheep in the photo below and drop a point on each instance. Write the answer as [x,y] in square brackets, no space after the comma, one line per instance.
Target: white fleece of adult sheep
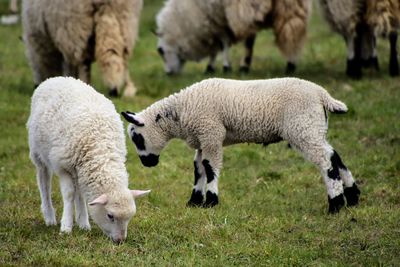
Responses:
[76,133]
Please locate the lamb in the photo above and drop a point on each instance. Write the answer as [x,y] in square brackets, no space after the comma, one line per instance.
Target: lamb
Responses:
[65,37]
[193,30]
[219,112]
[76,133]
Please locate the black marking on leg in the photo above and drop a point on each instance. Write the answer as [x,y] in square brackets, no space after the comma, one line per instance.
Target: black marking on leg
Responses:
[196,199]
[352,195]
[335,204]
[227,69]
[209,171]
[211,200]
[393,63]
[290,68]
[337,164]
[113,92]
[210,69]
[197,174]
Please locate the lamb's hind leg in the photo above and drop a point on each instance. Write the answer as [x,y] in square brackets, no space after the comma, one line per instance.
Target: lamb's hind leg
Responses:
[351,191]
[68,193]
[324,157]
[43,176]
[212,162]
[199,187]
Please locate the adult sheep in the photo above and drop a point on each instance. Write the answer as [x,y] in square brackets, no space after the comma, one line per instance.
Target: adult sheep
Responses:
[218,112]
[193,30]
[76,133]
[65,37]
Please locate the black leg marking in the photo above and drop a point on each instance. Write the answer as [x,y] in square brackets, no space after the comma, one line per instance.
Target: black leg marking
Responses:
[211,200]
[337,164]
[393,63]
[335,204]
[210,69]
[290,68]
[352,195]
[113,92]
[209,171]
[196,199]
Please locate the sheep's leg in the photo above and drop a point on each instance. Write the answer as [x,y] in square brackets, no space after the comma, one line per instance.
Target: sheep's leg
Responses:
[351,191]
[43,176]
[212,162]
[354,55]
[225,56]
[211,65]
[393,63]
[68,194]
[199,187]
[327,160]
[84,71]
[130,89]
[246,60]
[81,213]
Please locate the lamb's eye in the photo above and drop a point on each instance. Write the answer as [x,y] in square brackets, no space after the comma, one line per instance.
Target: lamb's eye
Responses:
[111,217]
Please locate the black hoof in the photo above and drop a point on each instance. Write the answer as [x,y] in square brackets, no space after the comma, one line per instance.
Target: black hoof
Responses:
[353,69]
[196,200]
[352,195]
[290,68]
[209,70]
[244,69]
[113,92]
[335,204]
[227,69]
[211,200]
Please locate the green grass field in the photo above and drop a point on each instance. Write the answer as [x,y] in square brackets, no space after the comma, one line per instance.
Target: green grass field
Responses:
[273,209]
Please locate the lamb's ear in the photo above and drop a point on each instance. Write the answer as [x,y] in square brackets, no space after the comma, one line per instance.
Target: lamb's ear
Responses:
[132,118]
[139,193]
[102,200]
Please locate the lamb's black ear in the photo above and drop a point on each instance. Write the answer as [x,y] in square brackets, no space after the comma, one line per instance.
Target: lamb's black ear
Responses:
[132,118]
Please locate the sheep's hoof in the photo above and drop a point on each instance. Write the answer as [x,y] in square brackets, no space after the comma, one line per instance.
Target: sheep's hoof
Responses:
[227,69]
[211,200]
[352,195]
[196,200]
[209,70]
[113,92]
[290,68]
[335,204]
[244,69]
[353,69]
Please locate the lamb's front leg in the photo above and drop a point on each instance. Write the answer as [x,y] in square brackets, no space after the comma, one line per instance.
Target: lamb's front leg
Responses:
[199,186]
[212,163]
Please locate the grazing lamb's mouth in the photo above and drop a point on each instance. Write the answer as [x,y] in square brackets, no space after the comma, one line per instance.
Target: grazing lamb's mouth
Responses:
[150,160]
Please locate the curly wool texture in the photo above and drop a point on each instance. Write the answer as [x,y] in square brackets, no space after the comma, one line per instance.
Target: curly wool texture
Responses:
[383,16]
[76,32]
[223,112]
[196,28]
[75,129]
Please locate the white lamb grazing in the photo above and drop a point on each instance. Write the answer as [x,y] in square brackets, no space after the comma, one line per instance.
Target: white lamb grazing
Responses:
[76,133]
[65,37]
[218,112]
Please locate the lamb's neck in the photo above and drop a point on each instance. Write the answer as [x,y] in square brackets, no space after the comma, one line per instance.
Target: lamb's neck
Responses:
[166,114]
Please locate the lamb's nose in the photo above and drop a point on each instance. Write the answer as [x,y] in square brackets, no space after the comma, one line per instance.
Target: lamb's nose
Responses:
[118,240]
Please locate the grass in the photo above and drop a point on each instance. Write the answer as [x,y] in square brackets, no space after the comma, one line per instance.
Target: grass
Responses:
[273,209]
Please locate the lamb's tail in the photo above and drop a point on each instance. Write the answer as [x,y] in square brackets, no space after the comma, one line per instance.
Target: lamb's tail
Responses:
[331,104]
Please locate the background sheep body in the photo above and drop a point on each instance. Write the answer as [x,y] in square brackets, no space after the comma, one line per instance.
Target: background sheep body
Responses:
[217,112]
[66,37]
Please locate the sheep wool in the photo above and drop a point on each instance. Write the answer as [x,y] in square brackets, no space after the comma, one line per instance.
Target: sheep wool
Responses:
[219,112]
[77,134]
[65,37]
[192,30]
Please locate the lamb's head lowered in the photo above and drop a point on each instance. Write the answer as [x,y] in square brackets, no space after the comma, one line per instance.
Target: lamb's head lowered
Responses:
[113,211]
[148,137]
